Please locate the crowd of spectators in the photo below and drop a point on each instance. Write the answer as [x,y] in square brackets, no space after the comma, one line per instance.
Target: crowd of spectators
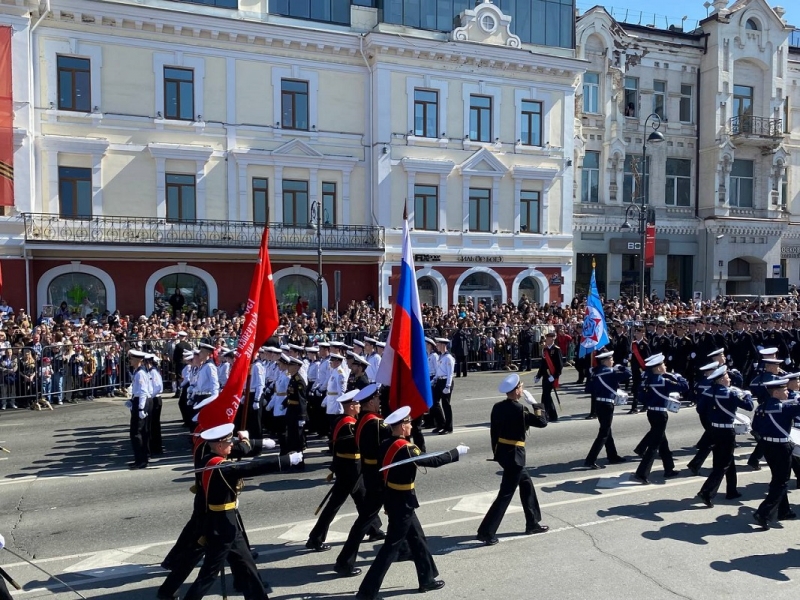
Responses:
[65,357]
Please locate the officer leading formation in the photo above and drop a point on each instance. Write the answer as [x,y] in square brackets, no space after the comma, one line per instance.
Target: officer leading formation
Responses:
[329,391]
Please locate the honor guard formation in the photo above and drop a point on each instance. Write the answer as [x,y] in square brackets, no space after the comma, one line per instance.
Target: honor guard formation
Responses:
[329,390]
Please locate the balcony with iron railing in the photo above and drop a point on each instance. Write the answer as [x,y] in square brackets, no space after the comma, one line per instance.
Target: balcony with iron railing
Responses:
[107,230]
[756,127]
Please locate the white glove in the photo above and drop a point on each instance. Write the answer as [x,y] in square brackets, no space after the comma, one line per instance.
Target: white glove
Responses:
[256,405]
[244,434]
[528,397]
[755,365]
[295,458]
[759,348]
[142,414]
[669,358]
[693,355]
[550,378]
[462,450]
[2,542]
[129,405]
[787,361]
[446,390]
[268,444]
[301,423]
[536,379]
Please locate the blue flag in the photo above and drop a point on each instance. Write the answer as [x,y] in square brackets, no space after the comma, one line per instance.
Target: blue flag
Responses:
[594,334]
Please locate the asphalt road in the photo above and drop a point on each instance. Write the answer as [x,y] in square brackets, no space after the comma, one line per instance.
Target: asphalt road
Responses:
[68,502]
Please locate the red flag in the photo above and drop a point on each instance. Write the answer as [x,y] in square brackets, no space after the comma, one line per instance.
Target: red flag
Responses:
[267,303]
[223,409]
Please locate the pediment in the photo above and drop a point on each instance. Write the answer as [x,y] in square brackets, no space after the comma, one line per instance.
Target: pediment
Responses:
[296,148]
[483,162]
[485,24]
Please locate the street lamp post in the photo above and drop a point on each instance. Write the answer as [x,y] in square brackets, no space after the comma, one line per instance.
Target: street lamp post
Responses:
[316,223]
[655,137]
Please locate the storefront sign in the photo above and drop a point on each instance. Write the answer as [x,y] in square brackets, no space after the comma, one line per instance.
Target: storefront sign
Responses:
[427,258]
[480,259]
[634,246]
[790,251]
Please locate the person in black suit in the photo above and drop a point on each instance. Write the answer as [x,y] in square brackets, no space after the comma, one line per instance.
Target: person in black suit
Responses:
[460,347]
[525,347]
[549,372]
[509,424]
[620,344]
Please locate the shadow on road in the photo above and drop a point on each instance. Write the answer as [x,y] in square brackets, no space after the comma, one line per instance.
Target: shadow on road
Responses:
[697,533]
[768,566]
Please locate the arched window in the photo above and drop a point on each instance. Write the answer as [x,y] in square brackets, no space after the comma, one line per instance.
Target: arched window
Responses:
[428,291]
[530,290]
[738,267]
[751,24]
[84,294]
[292,289]
[181,291]
[480,288]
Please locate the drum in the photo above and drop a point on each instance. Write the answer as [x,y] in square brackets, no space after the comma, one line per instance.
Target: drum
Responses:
[621,398]
[674,402]
[741,424]
[795,435]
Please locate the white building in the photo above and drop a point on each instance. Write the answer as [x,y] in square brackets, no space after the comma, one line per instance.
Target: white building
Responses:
[153,141]
[721,182]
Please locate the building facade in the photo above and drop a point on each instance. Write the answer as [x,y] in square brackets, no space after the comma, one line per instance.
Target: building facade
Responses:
[721,184]
[152,144]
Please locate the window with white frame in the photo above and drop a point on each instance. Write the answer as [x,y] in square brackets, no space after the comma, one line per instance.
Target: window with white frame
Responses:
[480,209]
[678,190]
[74,83]
[260,200]
[591,93]
[295,203]
[531,123]
[181,198]
[426,113]
[529,207]
[742,183]
[426,207]
[179,93]
[631,96]
[480,118]
[75,193]
[294,104]
[660,99]
[686,106]
[590,177]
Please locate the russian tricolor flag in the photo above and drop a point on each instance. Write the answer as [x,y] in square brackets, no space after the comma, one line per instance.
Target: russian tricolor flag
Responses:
[404,367]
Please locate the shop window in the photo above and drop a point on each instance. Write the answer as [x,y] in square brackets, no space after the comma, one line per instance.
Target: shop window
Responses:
[84,294]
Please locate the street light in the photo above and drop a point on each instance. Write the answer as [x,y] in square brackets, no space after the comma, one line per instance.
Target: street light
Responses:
[316,223]
[641,209]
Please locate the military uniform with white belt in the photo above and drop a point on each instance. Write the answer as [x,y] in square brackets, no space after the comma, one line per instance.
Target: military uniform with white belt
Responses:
[156,390]
[373,358]
[207,383]
[443,388]
[141,392]
[603,386]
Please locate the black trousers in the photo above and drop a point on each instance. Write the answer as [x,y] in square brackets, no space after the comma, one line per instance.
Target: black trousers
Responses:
[156,446]
[461,365]
[636,386]
[140,435]
[656,441]
[605,416]
[403,526]
[4,593]
[253,418]
[547,400]
[779,459]
[757,454]
[344,486]
[525,359]
[704,444]
[514,477]
[295,435]
[416,434]
[234,550]
[723,443]
[442,410]
[366,521]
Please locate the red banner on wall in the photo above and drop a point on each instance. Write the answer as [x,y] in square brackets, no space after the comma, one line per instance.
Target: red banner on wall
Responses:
[650,245]
[6,121]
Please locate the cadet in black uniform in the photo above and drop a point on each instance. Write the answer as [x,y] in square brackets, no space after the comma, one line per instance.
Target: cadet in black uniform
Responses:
[773,421]
[509,425]
[401,503]
[604,384]
[358,379]
[640,352]
[371,432]
[621,344]
[222,530]
[296,409]
[549,372]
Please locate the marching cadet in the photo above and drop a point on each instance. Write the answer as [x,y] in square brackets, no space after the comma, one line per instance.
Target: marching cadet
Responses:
[683,353]
[358,378]
[400,503]
[358,347]
[549,372]
[373,358]
[659,386]
[156,389]
[620,344]
[141,392]
[442,410]
[337,382]
[224,368]
[371,432]
[661,344]
[316,412]
[606,380]
[312,356]
[770,371]
[433,362]
[222,530]
[721,416]
[743,350]
[772,337]
[296,408]
[346,467]
[509,426]
[276,403]
[640,352]
[258,382]
[794,394]
[773,421]
[703,400]
[207,383]
[185,401]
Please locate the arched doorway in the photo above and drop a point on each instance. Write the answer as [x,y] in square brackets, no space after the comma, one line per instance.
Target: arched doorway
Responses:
[162,284]
[529,288]
[84,294]
[186,290]
[291,289]
[428,291]
[746,276]
[480,287]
